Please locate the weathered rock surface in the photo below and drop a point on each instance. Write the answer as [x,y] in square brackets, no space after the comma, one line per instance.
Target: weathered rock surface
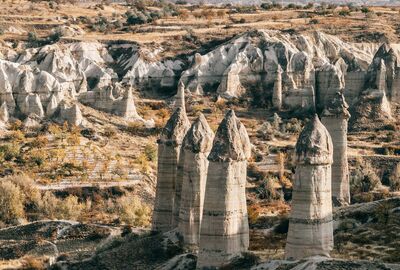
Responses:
[70,113]
[4,116]
[195,149]
[310,223]
[224,228]
[335,118]
[169,147]
[254,59]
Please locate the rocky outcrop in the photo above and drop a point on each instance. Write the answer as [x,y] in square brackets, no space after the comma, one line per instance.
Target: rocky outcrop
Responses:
[253,60]
[70,113]
[335,118]
[277,92]
[195,150]
[169,147]
[125,106]
[310,223]
[3,115]
[179,99]
[224,228]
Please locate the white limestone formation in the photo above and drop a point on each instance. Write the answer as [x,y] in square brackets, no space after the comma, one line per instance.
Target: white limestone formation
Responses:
[169,148]
[224,228]
[277,92]
[195,149]
[310,223]
[335,118]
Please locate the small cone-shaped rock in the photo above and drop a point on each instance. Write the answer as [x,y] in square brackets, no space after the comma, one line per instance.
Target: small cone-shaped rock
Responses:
[224,228]
[127,108]
[310,223]
[180,97]
[335,118]
[195,149]
[169,146]
[71,114]
[277,93]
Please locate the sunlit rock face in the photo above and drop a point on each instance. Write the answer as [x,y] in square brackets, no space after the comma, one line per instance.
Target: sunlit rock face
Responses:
[224,227]
[335,118]
[303,67]
[310,223]
[169,148]
[195,150]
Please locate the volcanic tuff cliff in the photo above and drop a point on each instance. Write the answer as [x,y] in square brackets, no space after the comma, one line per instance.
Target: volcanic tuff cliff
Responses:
[303,69]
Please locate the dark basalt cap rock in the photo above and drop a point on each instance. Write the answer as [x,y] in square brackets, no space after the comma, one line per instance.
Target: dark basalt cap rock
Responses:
[176,128]
[337,107]
[314,145]
[199,138]
[228,142]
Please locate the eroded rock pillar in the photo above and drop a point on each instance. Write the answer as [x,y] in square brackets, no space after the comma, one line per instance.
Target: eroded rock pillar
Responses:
[195,149]
[335,118]
[310,223]
[224,228]
[169,147]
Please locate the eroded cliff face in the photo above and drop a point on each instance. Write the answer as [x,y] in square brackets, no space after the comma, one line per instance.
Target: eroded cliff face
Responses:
[286,71]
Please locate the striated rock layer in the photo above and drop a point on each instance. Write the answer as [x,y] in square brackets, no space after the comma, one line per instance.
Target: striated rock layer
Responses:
[224,228]
[169,147]
[335,118]
[195,150]
[310,224]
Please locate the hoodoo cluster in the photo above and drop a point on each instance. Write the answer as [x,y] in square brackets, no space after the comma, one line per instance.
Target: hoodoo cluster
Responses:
[202,180]
[201,185]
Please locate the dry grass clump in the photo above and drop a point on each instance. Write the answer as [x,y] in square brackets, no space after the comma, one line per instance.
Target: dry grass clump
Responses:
[19,196]
[11,202]
[132,211]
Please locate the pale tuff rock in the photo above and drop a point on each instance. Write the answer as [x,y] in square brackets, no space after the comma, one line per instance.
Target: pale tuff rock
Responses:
[195,149]
[141,65]
[224,228]
[169,148]
[254,58]
[32,105]
[125,106]
[335,118]
[277,92]
[4,117]
[70,113]
[382,70]
[310,223]
[52,106]
[179,101]
[31,122]
[331,79]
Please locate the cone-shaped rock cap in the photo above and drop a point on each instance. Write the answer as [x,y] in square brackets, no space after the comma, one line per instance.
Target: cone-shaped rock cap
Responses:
[228,142]
[200,137]
[176,128]
[386,53]
[337,107]
[314,145]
